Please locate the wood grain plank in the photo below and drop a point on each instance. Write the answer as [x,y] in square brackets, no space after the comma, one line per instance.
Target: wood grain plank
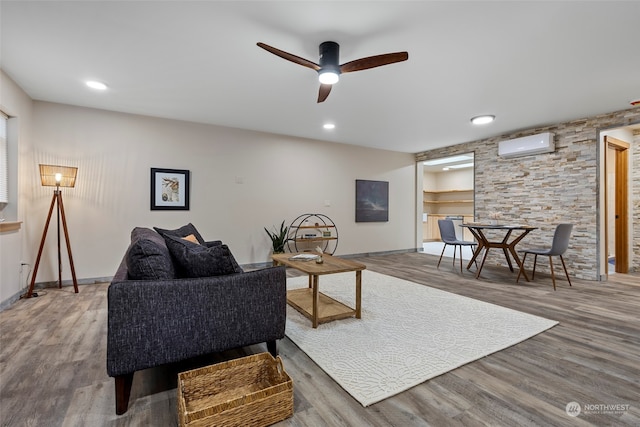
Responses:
[53,360]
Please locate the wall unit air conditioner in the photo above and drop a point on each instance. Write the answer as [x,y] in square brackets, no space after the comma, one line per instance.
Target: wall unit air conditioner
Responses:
[527,145]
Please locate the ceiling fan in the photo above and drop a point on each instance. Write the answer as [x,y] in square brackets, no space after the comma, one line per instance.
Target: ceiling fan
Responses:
[329,69]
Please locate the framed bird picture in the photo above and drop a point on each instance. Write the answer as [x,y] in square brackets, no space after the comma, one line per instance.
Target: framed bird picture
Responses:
[169,189]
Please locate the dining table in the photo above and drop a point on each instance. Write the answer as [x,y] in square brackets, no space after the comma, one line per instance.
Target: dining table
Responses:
[504,241]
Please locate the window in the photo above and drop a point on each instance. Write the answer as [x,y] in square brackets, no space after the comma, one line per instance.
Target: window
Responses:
[4,163]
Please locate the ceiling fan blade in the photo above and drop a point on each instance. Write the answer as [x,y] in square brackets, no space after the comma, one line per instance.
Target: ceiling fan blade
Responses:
[373,61]
[290,57]
[324,92]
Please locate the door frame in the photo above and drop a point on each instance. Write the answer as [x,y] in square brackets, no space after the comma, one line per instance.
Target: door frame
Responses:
[621,194]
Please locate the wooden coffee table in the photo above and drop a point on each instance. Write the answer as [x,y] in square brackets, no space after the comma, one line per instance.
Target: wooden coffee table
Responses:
[312,303]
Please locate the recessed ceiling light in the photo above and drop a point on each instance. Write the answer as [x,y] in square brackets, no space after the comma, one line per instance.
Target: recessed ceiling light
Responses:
[329,126]
[482,120]
[96,85]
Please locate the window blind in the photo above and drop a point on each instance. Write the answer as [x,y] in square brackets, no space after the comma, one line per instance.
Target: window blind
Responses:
[4,163]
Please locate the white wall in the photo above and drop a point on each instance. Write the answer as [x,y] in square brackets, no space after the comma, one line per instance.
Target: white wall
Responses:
[17,104]
[283,178]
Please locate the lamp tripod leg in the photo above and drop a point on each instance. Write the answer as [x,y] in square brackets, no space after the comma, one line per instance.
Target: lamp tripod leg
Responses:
[29,293]
[58,235]
[66,238]
[57,197]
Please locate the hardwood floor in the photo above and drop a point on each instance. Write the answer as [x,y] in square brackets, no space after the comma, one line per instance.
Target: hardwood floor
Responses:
[53,353]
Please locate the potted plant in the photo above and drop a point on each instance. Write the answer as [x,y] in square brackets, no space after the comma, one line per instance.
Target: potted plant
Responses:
[278,238]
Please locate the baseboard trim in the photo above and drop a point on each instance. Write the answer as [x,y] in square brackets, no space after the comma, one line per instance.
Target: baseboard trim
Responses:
[248,267]
[9,301]
[88,281]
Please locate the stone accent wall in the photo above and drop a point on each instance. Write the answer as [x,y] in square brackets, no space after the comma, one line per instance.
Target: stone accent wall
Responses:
[546,189]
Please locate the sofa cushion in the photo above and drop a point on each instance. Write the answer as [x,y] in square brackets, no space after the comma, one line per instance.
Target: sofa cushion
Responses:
[148,259]
[194,260]
[183,231]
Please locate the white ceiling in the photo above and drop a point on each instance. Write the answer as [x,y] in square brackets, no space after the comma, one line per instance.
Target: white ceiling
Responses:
[528,63]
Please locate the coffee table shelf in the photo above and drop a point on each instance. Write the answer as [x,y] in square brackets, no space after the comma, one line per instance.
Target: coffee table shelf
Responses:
[328,308]
[312,303]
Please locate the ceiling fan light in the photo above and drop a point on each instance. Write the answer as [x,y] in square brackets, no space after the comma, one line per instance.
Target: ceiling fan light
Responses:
[328,77]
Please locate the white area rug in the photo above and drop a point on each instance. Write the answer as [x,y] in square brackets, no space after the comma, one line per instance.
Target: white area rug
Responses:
[408,333]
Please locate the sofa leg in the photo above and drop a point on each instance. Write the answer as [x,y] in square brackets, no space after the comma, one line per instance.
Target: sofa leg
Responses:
[271,346]
[123,391]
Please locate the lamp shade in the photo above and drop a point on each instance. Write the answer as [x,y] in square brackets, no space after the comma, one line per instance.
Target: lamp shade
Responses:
[53,175]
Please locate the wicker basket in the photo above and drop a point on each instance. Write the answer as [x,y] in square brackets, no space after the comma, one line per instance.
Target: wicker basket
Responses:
[249,391]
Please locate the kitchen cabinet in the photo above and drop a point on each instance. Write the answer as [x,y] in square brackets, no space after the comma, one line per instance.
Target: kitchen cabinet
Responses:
[439,204]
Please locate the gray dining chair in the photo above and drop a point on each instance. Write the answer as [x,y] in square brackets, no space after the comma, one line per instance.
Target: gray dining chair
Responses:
[558,247]
[448,236]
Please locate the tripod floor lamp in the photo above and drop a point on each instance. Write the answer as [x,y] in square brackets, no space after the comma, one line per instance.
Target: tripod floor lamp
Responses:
[58,176]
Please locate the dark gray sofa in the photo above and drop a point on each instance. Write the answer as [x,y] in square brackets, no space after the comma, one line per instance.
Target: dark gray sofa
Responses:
[167,317]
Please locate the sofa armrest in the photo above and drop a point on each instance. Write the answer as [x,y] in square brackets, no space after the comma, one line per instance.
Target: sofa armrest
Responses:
[156,322]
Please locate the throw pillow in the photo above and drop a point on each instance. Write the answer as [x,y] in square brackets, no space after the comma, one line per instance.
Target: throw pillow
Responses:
[146,260]
[191,238]
[196,260]
[183,231]
[236,266]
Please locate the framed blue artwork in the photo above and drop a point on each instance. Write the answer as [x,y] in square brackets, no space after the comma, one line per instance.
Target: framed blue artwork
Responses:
[372,201]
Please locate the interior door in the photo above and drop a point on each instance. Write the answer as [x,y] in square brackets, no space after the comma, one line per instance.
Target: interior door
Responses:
[617,215]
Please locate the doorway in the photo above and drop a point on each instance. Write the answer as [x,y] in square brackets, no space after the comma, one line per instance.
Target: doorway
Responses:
[617,204]
[447,191]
